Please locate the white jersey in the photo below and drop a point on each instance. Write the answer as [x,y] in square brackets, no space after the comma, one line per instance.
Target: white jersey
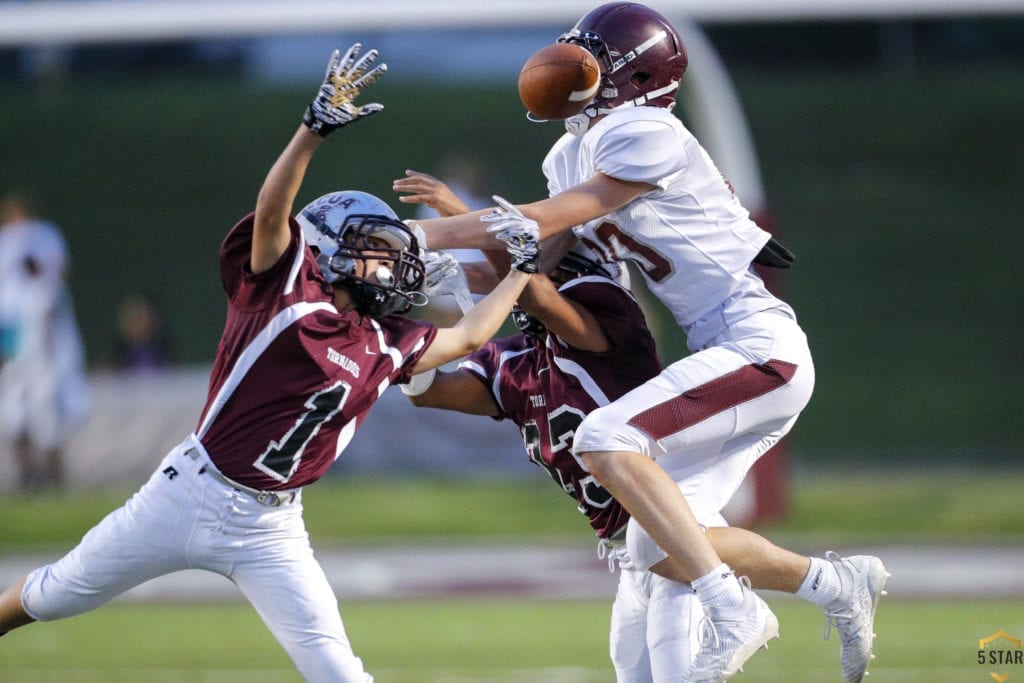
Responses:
[690,237]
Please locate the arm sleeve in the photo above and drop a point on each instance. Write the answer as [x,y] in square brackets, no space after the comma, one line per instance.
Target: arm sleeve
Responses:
[491,366]
[640,151]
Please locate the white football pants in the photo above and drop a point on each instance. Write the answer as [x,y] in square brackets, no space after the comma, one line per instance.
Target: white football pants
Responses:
[708,417]
[182,519]
[655,629]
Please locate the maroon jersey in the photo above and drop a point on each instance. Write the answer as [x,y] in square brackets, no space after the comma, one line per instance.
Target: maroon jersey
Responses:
[294,376]
[548,387]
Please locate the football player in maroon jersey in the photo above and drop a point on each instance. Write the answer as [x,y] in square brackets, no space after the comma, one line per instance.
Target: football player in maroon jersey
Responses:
[313,337]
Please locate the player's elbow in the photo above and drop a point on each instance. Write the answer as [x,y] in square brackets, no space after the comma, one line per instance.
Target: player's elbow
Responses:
[468,337]
[471,343]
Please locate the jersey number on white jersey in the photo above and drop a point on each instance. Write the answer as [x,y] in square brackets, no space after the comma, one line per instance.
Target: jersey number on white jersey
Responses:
[618,246]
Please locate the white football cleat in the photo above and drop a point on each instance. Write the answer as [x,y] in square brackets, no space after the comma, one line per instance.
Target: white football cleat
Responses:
[862,579]
[729,636]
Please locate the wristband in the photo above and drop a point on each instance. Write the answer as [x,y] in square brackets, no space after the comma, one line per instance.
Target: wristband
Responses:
[419,383]
[314,124]
[530,265]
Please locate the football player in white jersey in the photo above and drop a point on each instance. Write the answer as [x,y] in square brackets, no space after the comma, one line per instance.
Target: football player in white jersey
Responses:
[635,185]
[583,346]
[314,335]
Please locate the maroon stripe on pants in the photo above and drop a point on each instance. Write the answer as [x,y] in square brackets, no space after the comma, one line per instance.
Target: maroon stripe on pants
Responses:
[701,402]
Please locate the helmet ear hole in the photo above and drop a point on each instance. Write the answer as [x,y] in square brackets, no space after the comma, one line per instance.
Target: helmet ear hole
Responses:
[640,78]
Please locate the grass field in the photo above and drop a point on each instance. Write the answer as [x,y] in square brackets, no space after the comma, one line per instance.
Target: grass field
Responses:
[497,640]
[480,641]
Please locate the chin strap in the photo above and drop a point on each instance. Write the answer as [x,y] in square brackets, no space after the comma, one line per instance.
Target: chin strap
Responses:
[580,123]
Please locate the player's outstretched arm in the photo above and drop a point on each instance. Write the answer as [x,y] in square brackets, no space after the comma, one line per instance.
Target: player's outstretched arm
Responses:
[459,391]
[271,235]
[484,319]
[592,199]
[333,107]
[477,326]
[423,188]
[563,317]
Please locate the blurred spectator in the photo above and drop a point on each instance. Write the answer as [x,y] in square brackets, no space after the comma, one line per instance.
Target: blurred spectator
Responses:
[43,389]
[142,345]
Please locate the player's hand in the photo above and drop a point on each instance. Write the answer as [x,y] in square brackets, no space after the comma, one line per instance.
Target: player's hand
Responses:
[334,105]
[444,276]
[520,234]
[442,273]
[423,188]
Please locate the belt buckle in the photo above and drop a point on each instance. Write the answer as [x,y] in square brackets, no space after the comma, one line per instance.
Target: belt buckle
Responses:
[269,498]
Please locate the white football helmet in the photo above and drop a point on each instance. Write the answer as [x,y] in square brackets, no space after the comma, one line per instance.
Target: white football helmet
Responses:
[338,226]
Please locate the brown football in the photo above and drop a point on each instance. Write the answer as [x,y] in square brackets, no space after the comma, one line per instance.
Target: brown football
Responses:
[558,81]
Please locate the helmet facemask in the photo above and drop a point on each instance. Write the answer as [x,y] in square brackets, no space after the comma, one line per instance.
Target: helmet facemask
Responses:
[527,324]
[393,286]
[347,230]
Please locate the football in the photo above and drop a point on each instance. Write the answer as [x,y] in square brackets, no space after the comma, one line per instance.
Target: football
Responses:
[558,81]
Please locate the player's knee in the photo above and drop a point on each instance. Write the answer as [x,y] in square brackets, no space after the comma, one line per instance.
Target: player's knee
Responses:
[591,440]
[46,598]
[586,430]
[606,430]
[596,463]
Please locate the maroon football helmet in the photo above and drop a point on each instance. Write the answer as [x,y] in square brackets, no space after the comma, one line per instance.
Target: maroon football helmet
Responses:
[642,56]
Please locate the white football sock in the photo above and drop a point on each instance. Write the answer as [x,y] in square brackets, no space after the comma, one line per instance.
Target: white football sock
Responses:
[719,588]
[822,584]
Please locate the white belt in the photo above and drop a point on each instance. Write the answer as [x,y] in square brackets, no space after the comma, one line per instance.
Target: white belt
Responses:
[271,499]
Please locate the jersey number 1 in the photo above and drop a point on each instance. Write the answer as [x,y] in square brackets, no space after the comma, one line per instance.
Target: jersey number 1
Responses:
[283,456]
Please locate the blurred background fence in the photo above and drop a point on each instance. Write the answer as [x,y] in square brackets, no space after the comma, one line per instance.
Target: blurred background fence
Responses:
[889,142]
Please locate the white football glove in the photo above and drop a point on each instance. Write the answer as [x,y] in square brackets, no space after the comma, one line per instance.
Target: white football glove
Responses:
[443,275]
[334,105]
[520,234]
